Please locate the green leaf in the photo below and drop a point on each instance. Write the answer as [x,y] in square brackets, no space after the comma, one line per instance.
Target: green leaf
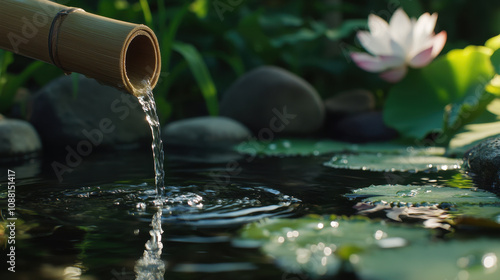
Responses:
[495,60]
[13,83]
[347,28]
[416,106]
[485,126]
[201,74]
[477,259]
[300,35]
[148,17]
[6,58]
[251,30]
[412,195]
[167,39]
[307,147]
[390,163]
[493,43]
[319,246]
[200,8]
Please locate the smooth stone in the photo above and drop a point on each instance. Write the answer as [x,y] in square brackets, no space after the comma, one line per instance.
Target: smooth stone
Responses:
[362,128]
[272,101]
[483,161]
[18,138]
[350,102]
[98,117]
[205,132]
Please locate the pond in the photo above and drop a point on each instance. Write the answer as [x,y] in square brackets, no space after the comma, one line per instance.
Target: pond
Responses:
[96,222]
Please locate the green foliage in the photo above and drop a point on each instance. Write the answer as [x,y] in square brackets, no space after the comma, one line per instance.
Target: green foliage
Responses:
[495,60]
[453,84]
[201,74]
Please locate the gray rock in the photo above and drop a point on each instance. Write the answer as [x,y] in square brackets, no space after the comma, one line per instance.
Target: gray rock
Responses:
[361,128]
[205,132]
[273,101]
[97,117]
[18,138]
[483,161]
[350,102]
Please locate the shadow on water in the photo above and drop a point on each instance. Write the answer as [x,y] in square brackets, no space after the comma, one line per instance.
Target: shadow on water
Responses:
[95,222]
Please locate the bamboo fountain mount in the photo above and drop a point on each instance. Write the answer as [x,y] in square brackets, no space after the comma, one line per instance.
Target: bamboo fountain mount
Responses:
[113,52]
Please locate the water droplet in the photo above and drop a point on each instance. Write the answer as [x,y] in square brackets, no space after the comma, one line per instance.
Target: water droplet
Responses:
[410,193]
[141,206]
[354,259]
[380,234]
[489,260]
[287,144]
[303,255]
[327,251]
[393,242]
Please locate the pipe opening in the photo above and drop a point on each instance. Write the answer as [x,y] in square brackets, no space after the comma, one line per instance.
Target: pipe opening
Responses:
[141,61]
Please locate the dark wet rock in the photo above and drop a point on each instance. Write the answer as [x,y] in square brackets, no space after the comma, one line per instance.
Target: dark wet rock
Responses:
[483,161]
[361,128]
[273,101]
[18,139]
[350,102]
[205,132]
[97,117]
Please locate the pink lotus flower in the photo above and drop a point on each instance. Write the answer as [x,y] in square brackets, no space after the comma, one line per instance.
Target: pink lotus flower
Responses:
[398,44]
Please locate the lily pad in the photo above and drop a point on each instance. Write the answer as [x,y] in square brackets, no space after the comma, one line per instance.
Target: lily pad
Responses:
[305,147]
[391,163]
[319,245]
[411,195]
[471,260]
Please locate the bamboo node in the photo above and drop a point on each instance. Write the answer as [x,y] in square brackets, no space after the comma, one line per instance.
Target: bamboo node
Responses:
[54,35]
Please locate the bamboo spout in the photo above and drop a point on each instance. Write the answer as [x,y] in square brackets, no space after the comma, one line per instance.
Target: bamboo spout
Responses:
[113,52]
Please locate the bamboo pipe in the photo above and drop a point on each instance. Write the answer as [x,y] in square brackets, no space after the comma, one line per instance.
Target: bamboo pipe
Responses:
[113,52]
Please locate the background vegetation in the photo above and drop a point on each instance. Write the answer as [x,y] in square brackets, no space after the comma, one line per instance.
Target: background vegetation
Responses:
[207,44]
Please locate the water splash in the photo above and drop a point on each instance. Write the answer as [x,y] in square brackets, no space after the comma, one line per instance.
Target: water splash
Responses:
[151,266]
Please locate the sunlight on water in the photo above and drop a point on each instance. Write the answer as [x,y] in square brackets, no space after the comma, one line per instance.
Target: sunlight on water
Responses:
[150,266]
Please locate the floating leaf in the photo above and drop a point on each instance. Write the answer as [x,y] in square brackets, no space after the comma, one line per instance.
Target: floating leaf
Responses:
[291,147]
[319,245]
[390,163]
[471,260]
[305,147]
[423,195]
[491,212]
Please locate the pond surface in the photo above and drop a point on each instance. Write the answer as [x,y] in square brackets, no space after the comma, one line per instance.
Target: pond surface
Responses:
[97,220]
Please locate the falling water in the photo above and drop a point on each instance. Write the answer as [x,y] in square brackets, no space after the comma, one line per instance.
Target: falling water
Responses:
[150,266]
[147,101]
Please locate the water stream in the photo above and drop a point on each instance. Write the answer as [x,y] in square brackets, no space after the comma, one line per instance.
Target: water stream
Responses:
[150,266]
